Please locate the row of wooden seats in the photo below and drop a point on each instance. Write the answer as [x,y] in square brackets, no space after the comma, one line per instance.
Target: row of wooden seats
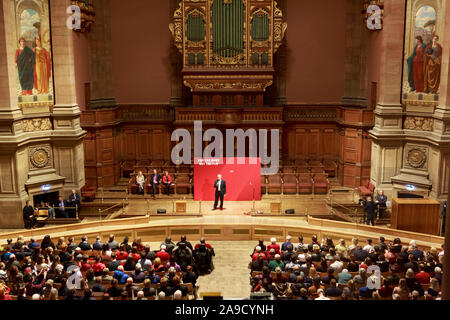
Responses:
[291,183]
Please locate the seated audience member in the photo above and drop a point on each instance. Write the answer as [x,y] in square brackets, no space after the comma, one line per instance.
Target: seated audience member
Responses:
[129,264]
[154,278]
[360,254]
[417,253]
[106,277]
[369,245]
[434,288]
[382,244]
[276,263]
[366,292]
[84,244]
[148,290]
[98,287]
[316,286]
[203,259]
[169,245]
[337,265]
[163,255]
[422,277]
[386,289]
[344,277]
[341,248]
[120,275]
[438,274]
[114,291]
[286,243]
[401,290]
[412,283]
[327,279]
[258,251]
[97,245]
[361,278]
[273,245]
[112,243]
[321,295]
[164,287]
[138,275]
[131,289]
[333,290]
[187,244]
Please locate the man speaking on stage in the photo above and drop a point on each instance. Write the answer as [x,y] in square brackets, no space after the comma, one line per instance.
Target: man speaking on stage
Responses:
[221,190]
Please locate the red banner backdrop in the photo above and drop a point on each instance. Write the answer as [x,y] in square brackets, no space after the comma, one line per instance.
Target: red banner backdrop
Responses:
[243,180]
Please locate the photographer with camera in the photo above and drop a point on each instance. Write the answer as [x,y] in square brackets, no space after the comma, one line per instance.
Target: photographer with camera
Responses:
[370,208]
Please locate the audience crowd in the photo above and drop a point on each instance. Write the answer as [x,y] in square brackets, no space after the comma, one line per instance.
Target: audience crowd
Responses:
[66,270]
[356,271]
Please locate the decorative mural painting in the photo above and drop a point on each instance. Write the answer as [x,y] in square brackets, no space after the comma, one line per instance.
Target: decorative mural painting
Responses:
[33,56]
[423,51]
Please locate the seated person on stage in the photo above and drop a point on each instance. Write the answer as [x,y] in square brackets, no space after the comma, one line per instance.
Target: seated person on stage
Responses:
[51,211]
[62,208]
[167,181]
[381,200]
[155,179]
[28,215]
[140,181]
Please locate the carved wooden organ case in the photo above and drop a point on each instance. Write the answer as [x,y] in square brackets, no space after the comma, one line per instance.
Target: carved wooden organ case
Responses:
[228,49]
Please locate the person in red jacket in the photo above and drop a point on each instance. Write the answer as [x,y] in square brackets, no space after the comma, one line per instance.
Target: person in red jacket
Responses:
[163,255]
[422,277]
[84,264]
[257,253]
[4,292]
[98,266]
[122,255]
[273,245]
[167,181]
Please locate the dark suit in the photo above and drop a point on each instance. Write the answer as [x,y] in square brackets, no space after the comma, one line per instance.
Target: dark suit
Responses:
[152,182]
[381,202]
[75,202]
[371,212]
[220,194]
[28,216]
[62,209]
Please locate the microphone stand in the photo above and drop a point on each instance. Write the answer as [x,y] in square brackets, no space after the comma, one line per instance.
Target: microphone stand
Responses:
[253,211]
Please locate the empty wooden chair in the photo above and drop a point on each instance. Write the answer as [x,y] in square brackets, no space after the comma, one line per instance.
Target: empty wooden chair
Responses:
[290,183]
[275,183]
[183,182]
[305,184]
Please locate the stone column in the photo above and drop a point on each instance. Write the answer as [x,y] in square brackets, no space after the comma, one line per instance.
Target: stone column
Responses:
[446,276]
[278,89]
[388,131]
[356,36]
[100,52]
[176,80]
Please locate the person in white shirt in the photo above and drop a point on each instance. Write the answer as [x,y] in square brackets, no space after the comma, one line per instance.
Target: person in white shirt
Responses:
[337,265]
[140,181]
[353,245]
[321,295]
[368,247]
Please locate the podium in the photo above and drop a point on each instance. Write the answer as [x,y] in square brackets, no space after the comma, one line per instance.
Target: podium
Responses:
[416,215]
